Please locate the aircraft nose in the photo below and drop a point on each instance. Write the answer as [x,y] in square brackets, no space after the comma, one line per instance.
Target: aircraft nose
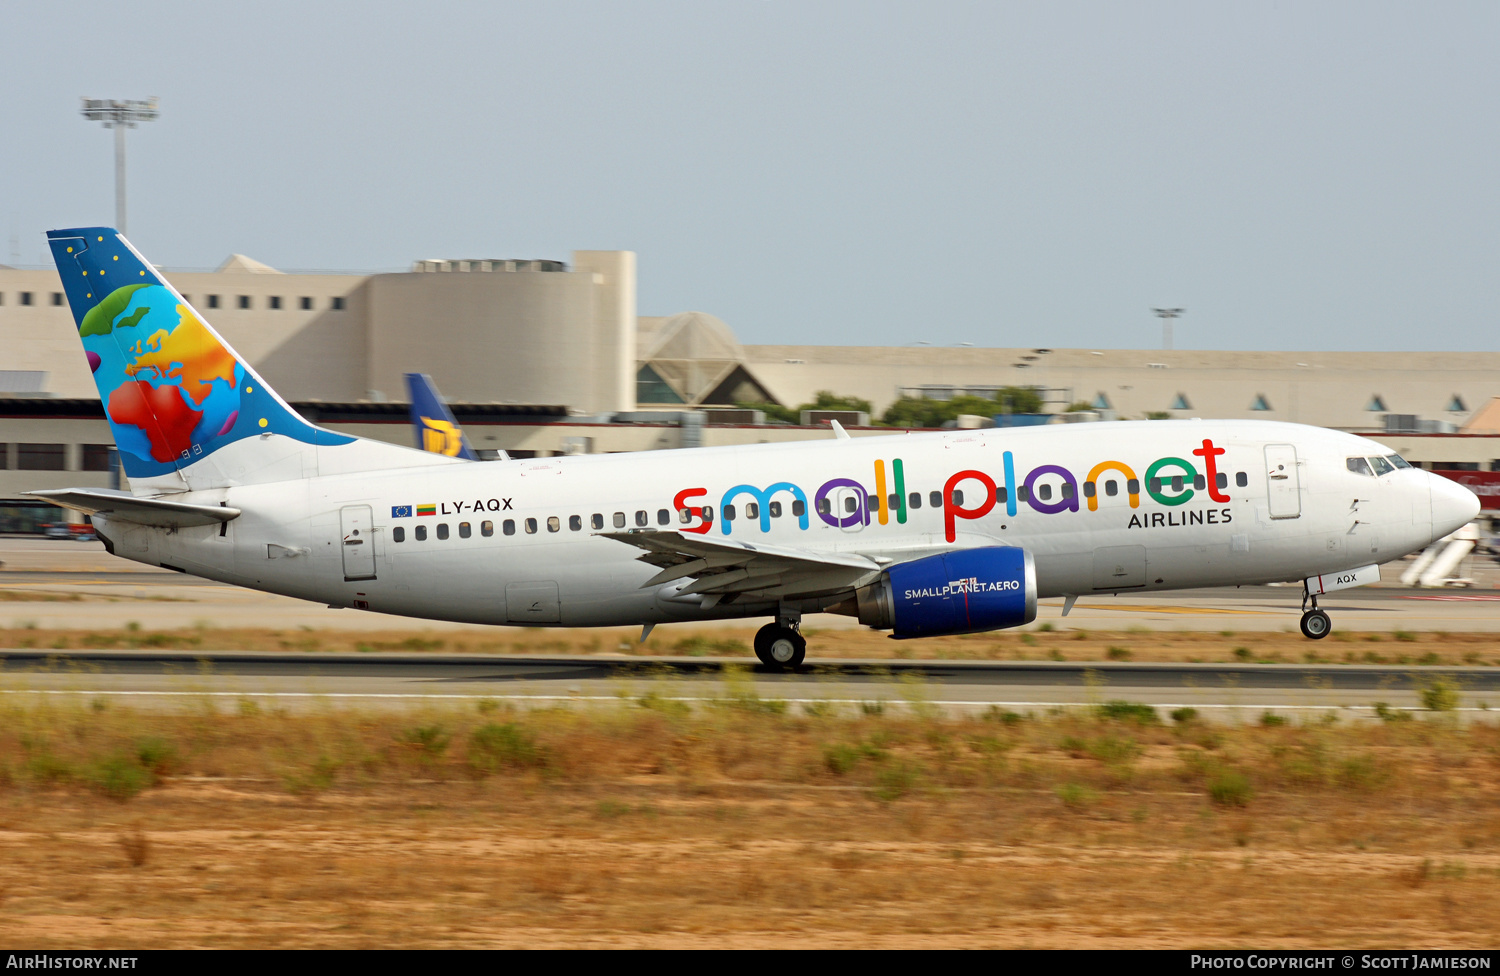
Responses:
[1453,506]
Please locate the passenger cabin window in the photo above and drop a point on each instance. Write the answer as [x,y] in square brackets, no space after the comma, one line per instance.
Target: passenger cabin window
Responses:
[935,499]
[1002,493]
[465,530]
[663,517]
[708,514]
[508,527]
[1397,460]
[893,502]
[958,496]
[684,515]
[1359,466]
[850,503]
[575,523]
[442,530]
[1241,479]
[531,526]
[421,533]
[619,520]
[799,508]
[825,506]
[914,500]
[1381,465]
[596,520]
[775,508]
[752,510]
[486,529]
[872,502]
[641,519]
[1221,479]
[398,534]
[1044,492]
[553,523]
[729,513]
[1111,488]
[1023,493]
[1067,490]
[1199,481]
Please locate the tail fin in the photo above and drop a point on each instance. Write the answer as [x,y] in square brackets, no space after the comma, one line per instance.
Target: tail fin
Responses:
[186,410]
[433,422]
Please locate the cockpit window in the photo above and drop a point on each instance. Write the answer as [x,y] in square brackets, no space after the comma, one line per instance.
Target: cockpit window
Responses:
[1397,460]
[1359,466]
[1381,465]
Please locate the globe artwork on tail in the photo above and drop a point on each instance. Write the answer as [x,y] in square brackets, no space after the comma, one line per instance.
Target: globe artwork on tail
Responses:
[169,385]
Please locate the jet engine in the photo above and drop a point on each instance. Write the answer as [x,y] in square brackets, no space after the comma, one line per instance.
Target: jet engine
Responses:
[959,592]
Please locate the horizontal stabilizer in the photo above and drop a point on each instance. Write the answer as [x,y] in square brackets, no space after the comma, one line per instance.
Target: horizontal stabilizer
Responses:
[145,511]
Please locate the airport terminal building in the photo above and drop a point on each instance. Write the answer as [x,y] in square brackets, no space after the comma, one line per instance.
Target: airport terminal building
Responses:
[543,357]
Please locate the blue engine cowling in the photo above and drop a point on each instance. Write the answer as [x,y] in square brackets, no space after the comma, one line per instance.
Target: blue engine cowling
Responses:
[959,592]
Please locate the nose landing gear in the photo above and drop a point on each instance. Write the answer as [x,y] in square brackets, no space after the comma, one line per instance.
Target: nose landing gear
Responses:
[1315,623]
[779,646]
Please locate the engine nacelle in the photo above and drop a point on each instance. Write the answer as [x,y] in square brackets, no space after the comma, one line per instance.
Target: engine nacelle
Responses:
[959,592]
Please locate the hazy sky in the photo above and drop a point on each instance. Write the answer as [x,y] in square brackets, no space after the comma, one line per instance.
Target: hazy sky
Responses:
[1299,175]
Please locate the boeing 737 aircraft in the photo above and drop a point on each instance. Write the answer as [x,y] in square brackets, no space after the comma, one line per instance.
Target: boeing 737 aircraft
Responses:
[921,534]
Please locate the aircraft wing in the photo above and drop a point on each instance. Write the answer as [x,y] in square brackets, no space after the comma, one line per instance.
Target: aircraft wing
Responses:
[126,507]
[723,570]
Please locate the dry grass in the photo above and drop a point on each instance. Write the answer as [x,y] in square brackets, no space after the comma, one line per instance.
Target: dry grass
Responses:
[741,823]
[1407,649]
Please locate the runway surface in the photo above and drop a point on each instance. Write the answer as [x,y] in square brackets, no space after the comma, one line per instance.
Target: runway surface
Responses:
[306,681]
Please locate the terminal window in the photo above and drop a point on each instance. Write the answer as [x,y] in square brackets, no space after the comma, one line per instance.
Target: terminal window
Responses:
[40,457]
[57,298]
[213,301]
[244,301]
[25,298]
[305,303]
[338,303]
[95,457]
[275,301]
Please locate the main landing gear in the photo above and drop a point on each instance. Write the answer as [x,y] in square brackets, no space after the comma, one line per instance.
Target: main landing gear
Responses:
[779,646]
[1315,623]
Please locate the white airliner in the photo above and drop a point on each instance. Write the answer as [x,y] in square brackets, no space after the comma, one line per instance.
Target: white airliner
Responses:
[921,534]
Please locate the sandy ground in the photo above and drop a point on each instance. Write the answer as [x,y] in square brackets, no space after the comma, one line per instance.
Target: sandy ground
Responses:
[662,828]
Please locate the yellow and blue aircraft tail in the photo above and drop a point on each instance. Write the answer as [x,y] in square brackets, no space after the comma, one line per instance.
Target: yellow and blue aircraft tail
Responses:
[433,423]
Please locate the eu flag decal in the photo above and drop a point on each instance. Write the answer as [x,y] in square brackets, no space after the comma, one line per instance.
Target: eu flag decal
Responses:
[400,511]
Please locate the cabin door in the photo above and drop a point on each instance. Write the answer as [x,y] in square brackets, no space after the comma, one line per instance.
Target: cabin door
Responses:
[358,542]
[1283,488]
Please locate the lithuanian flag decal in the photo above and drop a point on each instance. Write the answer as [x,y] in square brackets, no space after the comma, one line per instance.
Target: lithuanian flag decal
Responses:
[426,509]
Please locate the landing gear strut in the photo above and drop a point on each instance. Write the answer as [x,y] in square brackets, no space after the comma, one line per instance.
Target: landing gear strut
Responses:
[779,646]
[1315,623]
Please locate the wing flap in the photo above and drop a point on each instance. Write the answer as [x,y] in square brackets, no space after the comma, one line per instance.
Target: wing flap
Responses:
[128,508]
[722,569]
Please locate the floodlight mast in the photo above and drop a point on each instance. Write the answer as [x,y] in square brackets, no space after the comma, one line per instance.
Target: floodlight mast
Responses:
[1167,315]
[120,114]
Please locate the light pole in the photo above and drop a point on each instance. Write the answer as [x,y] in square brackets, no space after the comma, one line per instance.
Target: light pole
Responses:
[1167,315]
[120,114]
